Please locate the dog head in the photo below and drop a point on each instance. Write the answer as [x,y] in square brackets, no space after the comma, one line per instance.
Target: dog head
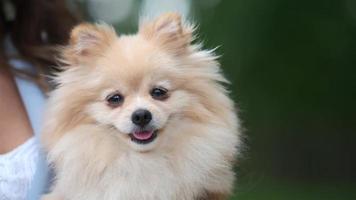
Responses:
[141,87]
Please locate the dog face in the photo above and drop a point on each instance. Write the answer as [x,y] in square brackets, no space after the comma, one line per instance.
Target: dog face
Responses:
[143,87]
[138,93]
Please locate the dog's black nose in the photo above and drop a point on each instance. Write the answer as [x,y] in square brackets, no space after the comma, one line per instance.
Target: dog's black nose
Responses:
[141,117]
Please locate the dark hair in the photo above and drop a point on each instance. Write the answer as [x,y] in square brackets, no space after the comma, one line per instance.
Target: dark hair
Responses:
[36,27]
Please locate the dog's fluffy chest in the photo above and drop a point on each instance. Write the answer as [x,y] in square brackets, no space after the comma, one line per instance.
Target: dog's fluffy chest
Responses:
[141,177]
[90,171]
[152,177]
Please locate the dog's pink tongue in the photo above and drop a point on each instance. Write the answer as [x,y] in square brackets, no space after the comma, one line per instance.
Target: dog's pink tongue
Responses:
[143,135]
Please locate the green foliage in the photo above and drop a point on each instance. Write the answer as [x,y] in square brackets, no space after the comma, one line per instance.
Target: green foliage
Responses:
[293,73]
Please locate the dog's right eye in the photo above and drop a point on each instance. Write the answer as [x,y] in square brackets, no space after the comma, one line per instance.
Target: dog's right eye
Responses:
[115,100]
[159,93]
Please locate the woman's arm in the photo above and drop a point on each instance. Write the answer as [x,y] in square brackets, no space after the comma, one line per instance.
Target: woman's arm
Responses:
[15,127]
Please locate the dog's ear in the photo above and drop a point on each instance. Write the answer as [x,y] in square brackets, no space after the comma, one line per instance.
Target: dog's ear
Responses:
[86,42]
[169,31]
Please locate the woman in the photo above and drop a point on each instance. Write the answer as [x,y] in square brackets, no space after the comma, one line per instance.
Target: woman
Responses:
[29,29]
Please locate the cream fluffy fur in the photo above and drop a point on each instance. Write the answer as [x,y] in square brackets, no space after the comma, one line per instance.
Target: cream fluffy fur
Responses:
[87,140]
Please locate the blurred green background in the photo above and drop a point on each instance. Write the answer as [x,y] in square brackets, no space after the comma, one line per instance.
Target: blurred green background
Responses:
[293,70]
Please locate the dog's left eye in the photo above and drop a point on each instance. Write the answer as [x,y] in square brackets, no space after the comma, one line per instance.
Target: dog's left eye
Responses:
[115,100]
[159,93]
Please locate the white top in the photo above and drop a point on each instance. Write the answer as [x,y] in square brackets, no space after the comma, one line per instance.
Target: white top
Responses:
[17,169]
[23,171]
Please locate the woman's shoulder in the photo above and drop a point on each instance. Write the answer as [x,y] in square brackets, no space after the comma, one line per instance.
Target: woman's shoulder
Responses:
[31,94]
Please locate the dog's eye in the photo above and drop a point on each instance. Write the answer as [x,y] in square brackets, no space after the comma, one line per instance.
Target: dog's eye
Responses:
[115,100]
[159,93]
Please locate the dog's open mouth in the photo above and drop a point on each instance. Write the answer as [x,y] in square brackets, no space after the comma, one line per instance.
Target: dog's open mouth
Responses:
[143,137]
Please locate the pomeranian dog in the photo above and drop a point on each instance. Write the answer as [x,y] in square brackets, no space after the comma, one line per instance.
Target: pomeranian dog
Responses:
[140,117]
